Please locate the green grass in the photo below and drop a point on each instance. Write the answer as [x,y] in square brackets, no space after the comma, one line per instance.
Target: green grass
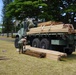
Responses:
[20,64]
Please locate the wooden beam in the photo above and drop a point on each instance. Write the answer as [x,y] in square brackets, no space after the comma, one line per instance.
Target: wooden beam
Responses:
[61,28]
[44,53]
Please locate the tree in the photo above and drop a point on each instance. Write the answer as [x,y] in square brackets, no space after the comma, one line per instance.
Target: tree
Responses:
[24,8]
[5,3]
[69,11]
[7,23]
[48,9]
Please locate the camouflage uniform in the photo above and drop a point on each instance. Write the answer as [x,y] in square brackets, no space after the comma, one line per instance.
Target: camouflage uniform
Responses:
[21,43]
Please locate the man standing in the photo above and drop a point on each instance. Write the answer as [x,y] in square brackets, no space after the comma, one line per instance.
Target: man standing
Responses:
[22,44]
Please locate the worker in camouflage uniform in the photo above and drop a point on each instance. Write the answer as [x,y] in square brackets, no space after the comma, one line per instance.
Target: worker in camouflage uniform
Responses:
[22,44]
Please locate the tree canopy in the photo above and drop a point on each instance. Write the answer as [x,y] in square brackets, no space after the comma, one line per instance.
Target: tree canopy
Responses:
[48,9]
[25,8]
[7,22]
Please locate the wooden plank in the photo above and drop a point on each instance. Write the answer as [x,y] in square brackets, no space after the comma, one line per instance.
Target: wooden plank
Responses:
[38,52]
[53,57]
[34,53]
[49,23]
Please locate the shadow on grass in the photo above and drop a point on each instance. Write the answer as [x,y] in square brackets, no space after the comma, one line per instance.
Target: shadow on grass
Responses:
[72,56]
[69,57]
[3,58]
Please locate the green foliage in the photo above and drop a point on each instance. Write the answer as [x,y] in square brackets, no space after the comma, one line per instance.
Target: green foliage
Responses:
[7,22]
[8,26]
[30,8]
[21,9]
[71,8]
[0,30]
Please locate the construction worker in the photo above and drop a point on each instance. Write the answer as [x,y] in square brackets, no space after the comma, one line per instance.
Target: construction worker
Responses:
[22,44]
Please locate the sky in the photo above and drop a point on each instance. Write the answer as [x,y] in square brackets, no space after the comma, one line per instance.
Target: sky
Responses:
[1,6]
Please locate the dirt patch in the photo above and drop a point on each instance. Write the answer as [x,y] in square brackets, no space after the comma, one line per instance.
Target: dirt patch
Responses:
[3,58]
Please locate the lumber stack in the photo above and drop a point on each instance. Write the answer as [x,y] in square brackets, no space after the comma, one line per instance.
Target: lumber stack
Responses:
[38,54]
[44,53]
[64,28]
[49,23]
[75,31]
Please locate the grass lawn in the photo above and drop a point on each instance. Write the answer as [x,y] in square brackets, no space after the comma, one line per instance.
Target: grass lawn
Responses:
[14,63]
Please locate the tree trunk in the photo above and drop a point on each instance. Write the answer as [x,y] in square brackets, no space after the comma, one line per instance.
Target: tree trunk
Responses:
[7,34]
[12,34]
